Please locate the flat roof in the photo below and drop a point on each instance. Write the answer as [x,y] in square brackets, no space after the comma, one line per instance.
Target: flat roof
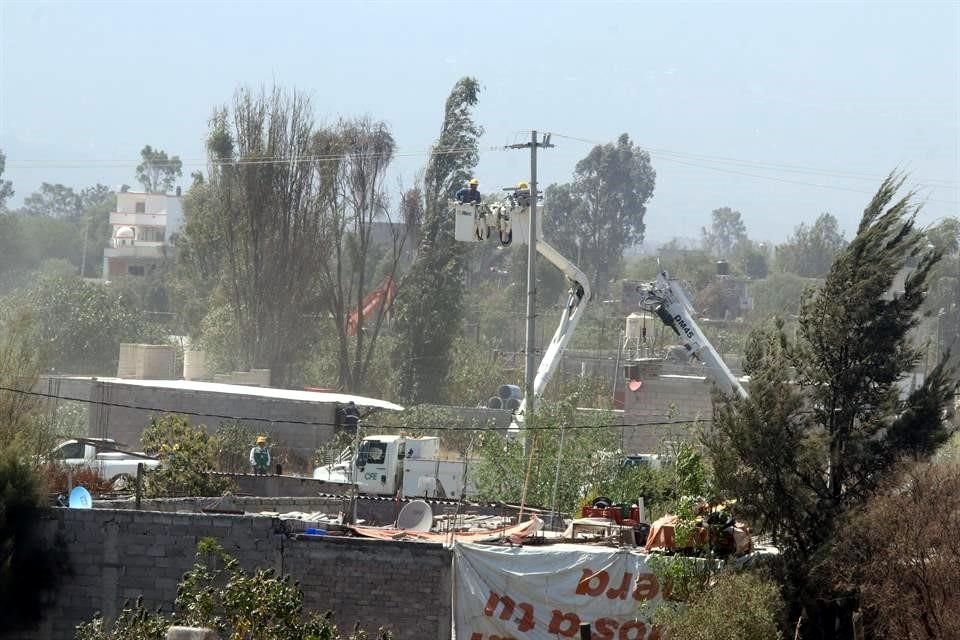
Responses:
[298,395]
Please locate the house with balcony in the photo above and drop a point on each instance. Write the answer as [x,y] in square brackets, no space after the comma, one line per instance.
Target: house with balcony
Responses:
[143,229]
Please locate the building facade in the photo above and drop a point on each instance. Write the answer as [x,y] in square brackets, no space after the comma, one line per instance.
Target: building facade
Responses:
[143,230]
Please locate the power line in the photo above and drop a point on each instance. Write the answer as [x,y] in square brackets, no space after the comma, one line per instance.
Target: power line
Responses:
[122,405]
[196,162]
[792,168]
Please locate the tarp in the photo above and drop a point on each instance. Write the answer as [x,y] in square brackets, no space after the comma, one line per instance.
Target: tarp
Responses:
[516,533]
[544,593]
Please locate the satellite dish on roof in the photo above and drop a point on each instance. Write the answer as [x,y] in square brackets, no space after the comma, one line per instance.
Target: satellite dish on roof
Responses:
[415,516]
[80,499]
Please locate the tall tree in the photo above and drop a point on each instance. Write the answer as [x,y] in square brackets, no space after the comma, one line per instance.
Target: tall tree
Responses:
[6,187]
[810,251]
[828,414]
[726,231]
[54,200]
[264,222]
[430,298]
[349,271]
[602,211]
[158,173]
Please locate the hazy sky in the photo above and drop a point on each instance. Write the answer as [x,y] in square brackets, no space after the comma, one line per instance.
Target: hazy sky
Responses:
[780,110]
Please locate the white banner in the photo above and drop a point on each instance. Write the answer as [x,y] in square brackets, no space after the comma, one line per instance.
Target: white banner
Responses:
[544,593]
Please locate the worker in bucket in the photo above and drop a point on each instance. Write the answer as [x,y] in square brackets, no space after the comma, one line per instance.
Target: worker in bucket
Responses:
[522,194]
[260,456]
[469,193]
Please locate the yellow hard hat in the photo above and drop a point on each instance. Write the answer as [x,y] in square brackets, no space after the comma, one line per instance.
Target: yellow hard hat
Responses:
[522,185]
[474,182]
[261,439]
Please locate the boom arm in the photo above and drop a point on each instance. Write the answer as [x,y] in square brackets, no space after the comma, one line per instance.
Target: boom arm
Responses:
[508,222]
[666,298]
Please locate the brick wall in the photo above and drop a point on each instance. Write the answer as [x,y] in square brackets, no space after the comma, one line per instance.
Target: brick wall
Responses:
[119,555]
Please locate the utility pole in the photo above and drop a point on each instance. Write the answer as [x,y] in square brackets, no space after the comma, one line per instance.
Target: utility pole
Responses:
[529,367]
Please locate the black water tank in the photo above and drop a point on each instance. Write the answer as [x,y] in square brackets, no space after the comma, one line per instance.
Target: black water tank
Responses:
[723,268]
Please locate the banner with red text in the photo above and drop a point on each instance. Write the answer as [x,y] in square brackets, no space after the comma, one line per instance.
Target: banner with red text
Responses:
[544,593]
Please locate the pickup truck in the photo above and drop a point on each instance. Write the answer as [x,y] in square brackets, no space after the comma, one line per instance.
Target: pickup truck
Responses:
[103,455]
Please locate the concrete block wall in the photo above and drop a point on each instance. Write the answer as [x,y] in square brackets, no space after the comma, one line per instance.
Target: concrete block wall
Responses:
[669,392]
[119,555]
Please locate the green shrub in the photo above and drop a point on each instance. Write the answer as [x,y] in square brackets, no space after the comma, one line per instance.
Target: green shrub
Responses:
[187,455]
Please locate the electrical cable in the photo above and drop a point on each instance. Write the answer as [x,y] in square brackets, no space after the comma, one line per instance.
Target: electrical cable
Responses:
[693,420]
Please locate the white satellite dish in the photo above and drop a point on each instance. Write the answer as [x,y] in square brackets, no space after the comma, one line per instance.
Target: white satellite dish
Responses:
[415,516]
[80,499]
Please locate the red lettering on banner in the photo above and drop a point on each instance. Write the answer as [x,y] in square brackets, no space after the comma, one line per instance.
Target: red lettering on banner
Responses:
[564,624]
[638,627]
[623,590]
[592,584]
[647,587]
[603,629]
[494,600]
[526,622]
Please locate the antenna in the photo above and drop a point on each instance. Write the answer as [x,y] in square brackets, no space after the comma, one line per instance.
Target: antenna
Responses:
[415,516]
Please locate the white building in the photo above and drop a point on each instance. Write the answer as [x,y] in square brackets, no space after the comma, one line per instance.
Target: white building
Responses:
[143,229]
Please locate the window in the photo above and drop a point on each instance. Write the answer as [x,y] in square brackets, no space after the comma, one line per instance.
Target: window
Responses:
[135,270]
[372,452]
[141,207]
[73,450]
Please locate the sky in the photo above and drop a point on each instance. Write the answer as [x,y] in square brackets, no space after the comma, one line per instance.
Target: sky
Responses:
[779,110]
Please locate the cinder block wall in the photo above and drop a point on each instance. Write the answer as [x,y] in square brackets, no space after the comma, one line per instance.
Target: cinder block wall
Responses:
[669,393]
[120,555]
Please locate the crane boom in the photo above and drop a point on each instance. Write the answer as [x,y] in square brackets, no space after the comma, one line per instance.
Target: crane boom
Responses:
[666,298]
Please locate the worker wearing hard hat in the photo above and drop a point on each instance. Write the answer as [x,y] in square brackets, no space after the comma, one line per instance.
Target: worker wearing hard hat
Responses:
[522,194]
[260,456]
[469,193]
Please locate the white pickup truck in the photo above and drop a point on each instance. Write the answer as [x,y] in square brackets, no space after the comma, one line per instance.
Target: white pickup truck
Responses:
[103,455]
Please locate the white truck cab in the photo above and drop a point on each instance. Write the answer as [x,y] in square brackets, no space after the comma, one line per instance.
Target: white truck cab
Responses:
[388,465]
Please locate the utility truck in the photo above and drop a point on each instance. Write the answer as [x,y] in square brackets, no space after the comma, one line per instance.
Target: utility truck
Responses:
[102,455]
[404,466]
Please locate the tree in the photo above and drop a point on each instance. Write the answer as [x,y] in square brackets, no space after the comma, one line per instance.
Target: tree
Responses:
[54,200]
[79,325]
[827,416]
[265,225]
[349,269]
[158,173]
[895,555]
[6,187]
[726,231]
[810,251]
[945,237]
[599,214]
[429,305]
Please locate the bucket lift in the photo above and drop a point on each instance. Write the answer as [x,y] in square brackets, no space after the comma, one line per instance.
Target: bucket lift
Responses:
[507,221]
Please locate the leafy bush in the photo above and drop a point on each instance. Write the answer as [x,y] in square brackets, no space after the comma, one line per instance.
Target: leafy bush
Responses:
[133,623]
[232,442]
[737,606]
[29,570]
[187,455]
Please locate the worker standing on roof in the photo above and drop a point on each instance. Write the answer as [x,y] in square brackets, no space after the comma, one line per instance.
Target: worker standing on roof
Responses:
[349,416]
[260,456]
[470,193]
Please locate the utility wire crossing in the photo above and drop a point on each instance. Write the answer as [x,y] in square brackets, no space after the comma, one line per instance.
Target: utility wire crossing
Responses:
[317,423]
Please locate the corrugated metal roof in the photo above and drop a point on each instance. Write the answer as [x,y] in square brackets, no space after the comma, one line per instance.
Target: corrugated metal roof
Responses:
[298,395]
